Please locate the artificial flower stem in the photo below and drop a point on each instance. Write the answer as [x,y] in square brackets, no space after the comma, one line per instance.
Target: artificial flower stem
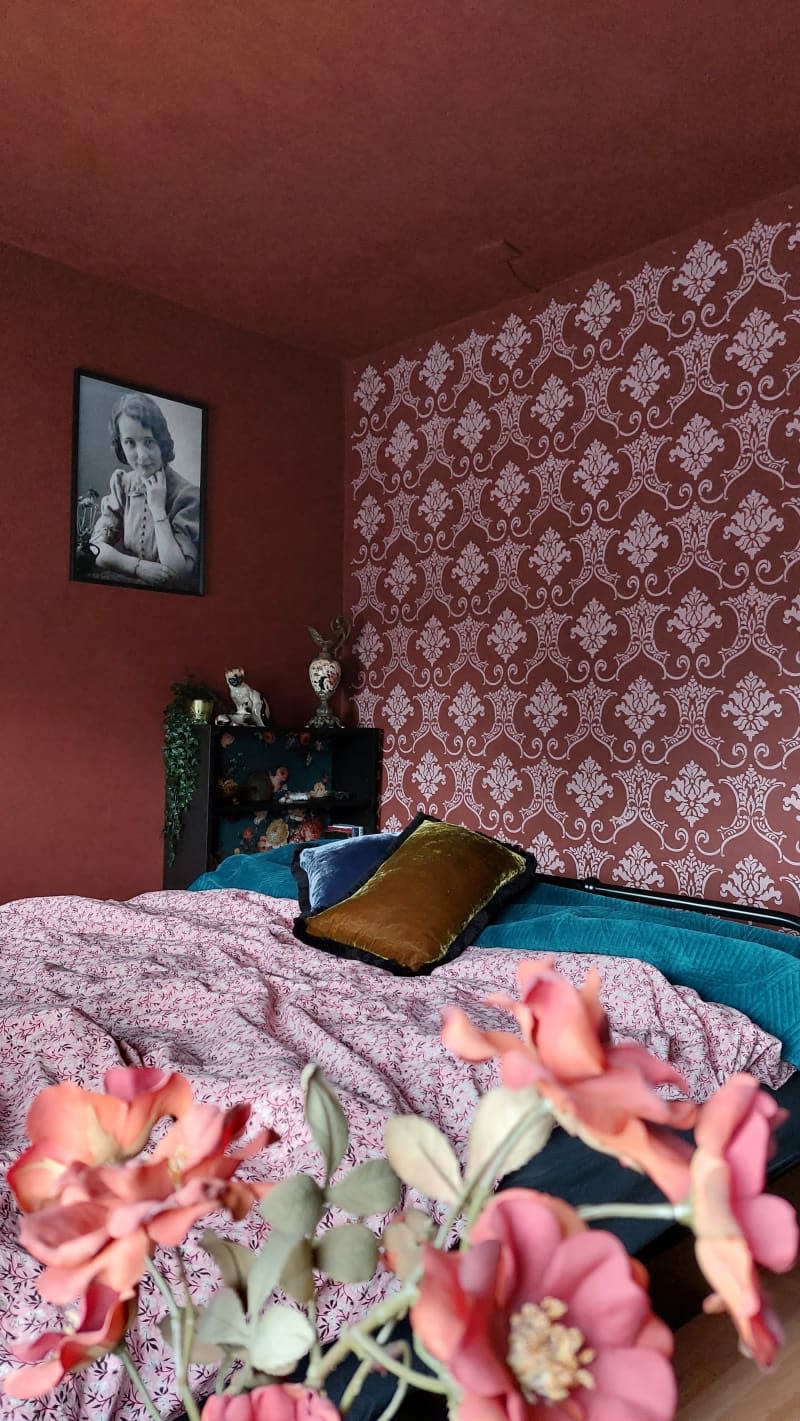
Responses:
[473,1197]
[369,1348]
[163,1286]
[630,1211]
[359,1376]
[315,1351]
[388,1311]
[135,1376]
[191,1313]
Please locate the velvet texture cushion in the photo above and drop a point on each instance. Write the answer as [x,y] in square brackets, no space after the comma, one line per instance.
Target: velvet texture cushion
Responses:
[269,872]
[425,903]
[327,872]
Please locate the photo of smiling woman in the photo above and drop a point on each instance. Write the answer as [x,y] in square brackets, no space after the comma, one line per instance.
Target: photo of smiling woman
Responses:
[144,452]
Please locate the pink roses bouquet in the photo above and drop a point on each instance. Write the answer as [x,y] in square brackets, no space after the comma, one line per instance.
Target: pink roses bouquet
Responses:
[531,1317]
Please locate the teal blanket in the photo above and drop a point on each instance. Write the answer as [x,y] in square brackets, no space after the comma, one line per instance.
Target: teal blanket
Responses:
[756,970]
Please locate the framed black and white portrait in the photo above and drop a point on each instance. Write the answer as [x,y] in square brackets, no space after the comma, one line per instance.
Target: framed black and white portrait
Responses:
[138,486]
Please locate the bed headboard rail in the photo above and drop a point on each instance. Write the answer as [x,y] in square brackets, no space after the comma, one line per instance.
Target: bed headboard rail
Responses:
[766,916]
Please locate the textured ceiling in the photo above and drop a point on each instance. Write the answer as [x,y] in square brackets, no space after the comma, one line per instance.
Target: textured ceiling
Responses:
[340,174]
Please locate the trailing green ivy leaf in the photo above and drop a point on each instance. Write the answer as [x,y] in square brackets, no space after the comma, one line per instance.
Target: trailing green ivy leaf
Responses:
[324,1117]
[280,1337]
[233,1260]
[370,1188]
[223,1321]
[295,1206]
[423,1157]
[347,1253]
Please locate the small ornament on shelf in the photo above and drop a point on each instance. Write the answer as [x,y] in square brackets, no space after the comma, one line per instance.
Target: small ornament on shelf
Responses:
[325,672]
[249,706]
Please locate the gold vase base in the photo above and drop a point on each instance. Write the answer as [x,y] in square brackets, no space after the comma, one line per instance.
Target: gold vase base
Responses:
[324,719]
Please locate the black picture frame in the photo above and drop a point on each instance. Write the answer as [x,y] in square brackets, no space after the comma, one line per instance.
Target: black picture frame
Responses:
[120,504]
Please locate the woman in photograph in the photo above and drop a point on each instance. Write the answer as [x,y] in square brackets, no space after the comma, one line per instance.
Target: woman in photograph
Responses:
[149,523]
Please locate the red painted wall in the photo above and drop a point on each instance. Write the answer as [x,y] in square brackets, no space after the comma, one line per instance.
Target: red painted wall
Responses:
[573,541]
[86,670]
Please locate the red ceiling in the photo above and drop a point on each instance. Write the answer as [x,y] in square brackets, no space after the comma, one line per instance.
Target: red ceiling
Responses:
[342,173]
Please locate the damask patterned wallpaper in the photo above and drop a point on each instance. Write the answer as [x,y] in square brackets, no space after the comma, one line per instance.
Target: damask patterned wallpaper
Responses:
[573,538]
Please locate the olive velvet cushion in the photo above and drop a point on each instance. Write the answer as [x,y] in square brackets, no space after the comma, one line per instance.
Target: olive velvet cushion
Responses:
[426,902]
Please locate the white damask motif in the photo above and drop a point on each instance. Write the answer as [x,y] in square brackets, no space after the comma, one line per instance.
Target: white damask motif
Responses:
[792,800]
[507,634]
[369,517]
[368,645]
[470,567]
[643,540]
[640,705]
[369,389]
[596,468]
[589,786]
[598,307]
[792,614]
[754,341]
[750,705]
[637,869]
[691,876]
[466,707]
[549,555]
[554,398]
[645,374]
[432,641]
[472,426]
[548,860]
[694,619]
[545,706]
[436,367]
[750,883]
[401,445]
[703,264]
[428,775]
[400,577]
[692,792]
[502,781]
[593,627]
[697,446]
[510,488]
[512,340]
[753,523]
[436,504]
[398,708]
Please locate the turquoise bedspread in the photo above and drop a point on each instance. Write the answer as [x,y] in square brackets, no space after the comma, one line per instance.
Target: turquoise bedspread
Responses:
[756,970]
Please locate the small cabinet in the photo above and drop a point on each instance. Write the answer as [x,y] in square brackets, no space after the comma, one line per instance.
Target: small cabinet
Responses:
[259,788]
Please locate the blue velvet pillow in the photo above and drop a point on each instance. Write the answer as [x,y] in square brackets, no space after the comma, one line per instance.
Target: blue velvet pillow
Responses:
[269,872]
[328,872]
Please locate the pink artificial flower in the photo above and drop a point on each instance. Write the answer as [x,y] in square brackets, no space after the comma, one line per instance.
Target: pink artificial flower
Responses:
[288,1401]
[109,1218]
[542,1319]
[601,1092]
[101,1324]
[67,1124]
[735,1223]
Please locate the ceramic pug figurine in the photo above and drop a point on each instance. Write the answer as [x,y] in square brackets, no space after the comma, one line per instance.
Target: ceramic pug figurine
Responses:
[249,706]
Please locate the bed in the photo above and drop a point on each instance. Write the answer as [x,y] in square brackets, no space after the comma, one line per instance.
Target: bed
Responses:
[216,985]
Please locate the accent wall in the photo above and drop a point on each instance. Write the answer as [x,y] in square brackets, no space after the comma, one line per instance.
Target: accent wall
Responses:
[86,669]
[573,539]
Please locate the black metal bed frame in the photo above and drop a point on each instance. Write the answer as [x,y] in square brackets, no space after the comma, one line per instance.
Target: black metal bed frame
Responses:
[769,917]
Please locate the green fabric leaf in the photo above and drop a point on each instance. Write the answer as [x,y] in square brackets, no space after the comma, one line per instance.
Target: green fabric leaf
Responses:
[370,1188]
[266,1270]
[297,1277]
[233,1260]
[499,1112]
[223,1321]
[347,1253]
[423,1158]
[280,1337]
[325,1118]
[295,1206]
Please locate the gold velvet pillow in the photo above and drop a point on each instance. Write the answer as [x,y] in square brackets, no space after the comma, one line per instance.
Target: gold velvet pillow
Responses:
[425,903]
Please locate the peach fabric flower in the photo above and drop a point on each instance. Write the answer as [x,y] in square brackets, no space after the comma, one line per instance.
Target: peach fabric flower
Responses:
[101,1323]
[736,1225]
[66,1123]
[542,1319]
[109,1218]
[601,1092]
[287,1402]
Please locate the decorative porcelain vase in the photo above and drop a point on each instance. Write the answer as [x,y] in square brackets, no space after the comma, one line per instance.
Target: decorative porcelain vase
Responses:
[324,673]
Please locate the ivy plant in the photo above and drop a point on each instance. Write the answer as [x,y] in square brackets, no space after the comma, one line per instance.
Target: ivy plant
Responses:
[180,757]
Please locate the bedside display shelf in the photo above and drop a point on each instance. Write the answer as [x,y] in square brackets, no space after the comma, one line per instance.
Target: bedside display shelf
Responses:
[259,788]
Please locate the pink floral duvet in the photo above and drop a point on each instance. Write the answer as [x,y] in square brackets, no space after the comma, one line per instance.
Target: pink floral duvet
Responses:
[216,986]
